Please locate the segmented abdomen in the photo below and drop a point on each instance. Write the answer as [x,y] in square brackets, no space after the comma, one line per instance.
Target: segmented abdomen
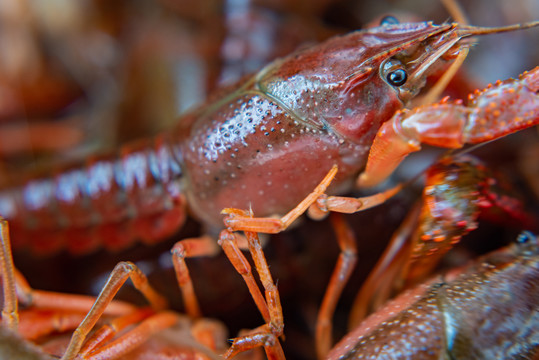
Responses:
[108,201]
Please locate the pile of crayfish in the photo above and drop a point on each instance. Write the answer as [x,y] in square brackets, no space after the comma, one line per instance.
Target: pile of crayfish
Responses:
[298,135]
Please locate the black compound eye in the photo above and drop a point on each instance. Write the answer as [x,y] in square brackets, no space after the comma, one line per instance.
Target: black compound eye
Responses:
[525,237]
[397,77]
[394,72]
[527,244]
[389,20]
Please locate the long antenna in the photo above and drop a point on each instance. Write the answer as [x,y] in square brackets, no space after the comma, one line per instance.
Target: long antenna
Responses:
[468,30]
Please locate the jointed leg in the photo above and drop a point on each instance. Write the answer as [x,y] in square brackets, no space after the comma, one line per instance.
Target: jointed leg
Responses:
[110,329]
[69,302]
[133,338]
[202,246]
[10,313]
[319,205]
[377,287]
[16,289]
[270,308]
[228,242]
[261,336]
[71,306]
[341,274]
[118,276]
[272,294]
[317,202]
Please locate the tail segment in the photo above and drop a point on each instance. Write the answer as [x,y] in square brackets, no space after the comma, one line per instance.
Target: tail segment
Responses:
[109,201]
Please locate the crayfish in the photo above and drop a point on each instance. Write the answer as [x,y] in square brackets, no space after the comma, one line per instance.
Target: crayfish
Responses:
[331,111]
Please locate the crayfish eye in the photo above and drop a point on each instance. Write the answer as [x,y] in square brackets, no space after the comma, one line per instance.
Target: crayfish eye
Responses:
[394,72]
[527,244]
[397,77]
[389,20]
[525,237]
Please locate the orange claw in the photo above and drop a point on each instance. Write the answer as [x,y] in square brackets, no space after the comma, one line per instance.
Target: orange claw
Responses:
[498,110]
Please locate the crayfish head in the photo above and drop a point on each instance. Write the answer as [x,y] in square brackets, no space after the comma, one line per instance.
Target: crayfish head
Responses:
[392,64]
[406,65]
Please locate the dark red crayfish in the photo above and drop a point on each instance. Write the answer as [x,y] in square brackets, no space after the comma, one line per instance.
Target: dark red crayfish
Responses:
[249,145]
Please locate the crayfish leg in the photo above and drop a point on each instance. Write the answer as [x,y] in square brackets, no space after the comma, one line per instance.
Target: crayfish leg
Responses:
[129,340]
[318,205]
[269,306]
[238,220]
[57,312]
[379,285]
[111,328]
[261,336]
[16,289]
[10,314]
[341,274]
[187,248]
[117,278]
